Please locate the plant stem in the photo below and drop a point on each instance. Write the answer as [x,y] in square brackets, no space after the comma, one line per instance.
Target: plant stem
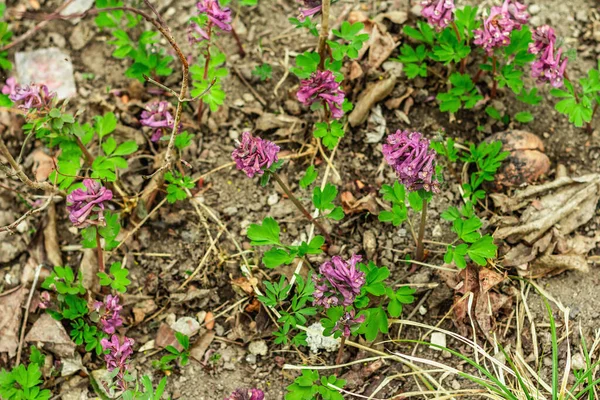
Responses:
[241,50]
[299,205]
[495,82]
[340,353]
[588,127]
[206,66]
[422,231]
[100,252]
[322,50]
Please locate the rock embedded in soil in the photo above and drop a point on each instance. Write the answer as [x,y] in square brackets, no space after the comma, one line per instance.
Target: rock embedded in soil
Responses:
[527,161]
[49,66]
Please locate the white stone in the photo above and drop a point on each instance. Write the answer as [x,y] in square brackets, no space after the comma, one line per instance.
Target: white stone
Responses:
[258,348]
[422,310]
[578,361]
[272,199]
[50,67]
[316,341]
[189,326]
[439,339]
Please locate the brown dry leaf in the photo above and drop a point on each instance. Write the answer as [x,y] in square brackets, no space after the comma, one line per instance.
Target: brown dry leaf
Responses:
[53,335]
[10,318]
[202,344]
[166,337]
[51,238]
[285,124]
[355,71]
[253,306]
[43,165]
[381,46]
[477,283]
[371,96]
[142,309]
[247,285]
[353,206]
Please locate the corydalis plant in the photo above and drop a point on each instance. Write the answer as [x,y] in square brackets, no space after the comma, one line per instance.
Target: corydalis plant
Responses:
[309,8]
[157,117]
[28,97]
[322,89]
[549,65]
[253,155]
[117,357]
[498,26]
[257,156]
[109,313]
[438,13]
[338,283]
[247,394]
[411,157]
[87,206]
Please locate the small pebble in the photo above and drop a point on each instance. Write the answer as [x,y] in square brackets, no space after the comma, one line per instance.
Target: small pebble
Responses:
[273,199]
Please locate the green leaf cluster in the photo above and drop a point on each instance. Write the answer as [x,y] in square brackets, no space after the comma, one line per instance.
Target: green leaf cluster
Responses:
[267,234]
[323,201]
[209,89]
[24,383]
[117,279]
[349,33]
[310,384]
[176,185]
[463,93]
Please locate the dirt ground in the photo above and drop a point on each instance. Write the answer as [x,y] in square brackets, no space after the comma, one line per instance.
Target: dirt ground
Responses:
[177,234]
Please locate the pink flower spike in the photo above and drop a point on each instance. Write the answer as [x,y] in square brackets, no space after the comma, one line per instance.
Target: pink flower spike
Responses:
[438,13]
[157,116]
[309,8]
[32,96]
[221,17]
[339,283]
[85,202]
[322,87]
[408,153]
[247,394]
[118,356]
[497,27]
[10,87]
[253,154]
[110,313]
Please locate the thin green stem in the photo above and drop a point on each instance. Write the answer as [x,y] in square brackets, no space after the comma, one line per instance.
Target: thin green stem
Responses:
[322,49]
[421,236]
[299,206]
[206,66]
[494,81]
[100,252]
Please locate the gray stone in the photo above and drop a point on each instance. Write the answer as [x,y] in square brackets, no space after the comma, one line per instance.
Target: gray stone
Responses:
[189,326]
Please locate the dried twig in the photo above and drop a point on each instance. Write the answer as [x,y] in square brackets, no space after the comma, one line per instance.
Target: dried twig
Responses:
[31,291]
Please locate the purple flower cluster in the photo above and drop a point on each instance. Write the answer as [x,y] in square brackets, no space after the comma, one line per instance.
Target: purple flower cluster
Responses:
[322,87]
[309,8]
[339,282]
[438,13]
[247,394]
[110,313]
[347,322]
[408,153]
[217,16]
[548,66]
[31,96]
[86,202]
[117,356]
[498,26]
[253,154]
[157,117]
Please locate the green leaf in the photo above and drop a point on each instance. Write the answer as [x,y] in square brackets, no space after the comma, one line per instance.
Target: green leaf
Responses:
[306,64]
[126,148]
[337,214]
[309,177]
[530,97]
[524,117]
[323,199]
[482,249]
[329,133]
[276,257]
[263,71]
[493,112]
[105,125]
[265,234]
[375,321]
[398,215]
[109,146]
[5,101]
